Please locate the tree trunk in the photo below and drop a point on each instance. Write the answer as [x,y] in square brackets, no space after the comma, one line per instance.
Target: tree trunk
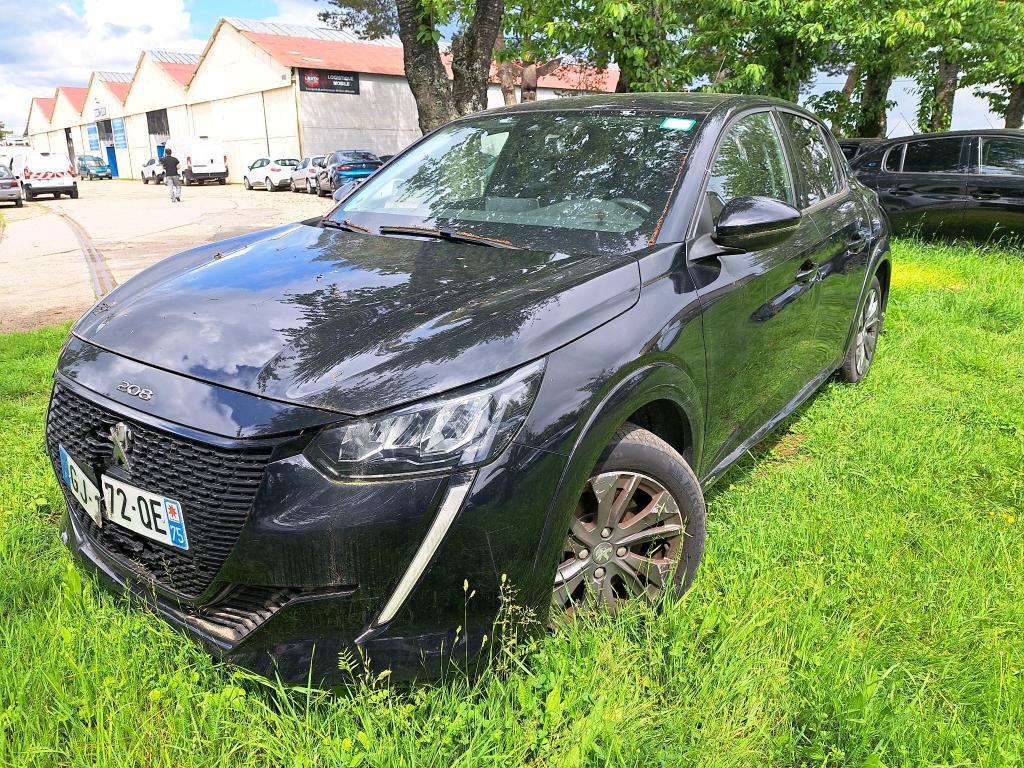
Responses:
[871,122]
[1015,107]
[506,74]
[532,72]
[849,87]
[471,56]
[424,70]
[946,79]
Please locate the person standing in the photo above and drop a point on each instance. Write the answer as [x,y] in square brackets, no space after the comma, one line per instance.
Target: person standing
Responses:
[171,177]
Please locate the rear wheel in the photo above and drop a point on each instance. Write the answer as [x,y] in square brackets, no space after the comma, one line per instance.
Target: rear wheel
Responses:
[222,181]
[869,325]
[638,528]
[29,194]
[56,195]
[18,203]
[309,187]
[145,179]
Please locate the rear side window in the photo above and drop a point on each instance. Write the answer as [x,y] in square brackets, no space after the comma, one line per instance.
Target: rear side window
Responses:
[4,173]
[750,161]
[818,169]
[934,156]
[1002,156]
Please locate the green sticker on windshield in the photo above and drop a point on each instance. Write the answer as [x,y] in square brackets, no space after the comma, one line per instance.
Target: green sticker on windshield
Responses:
[678,123]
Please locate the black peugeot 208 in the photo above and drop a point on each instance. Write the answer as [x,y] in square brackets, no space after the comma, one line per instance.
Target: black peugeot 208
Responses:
[511,359]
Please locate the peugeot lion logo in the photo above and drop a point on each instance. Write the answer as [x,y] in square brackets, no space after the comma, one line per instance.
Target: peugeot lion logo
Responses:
[121,437]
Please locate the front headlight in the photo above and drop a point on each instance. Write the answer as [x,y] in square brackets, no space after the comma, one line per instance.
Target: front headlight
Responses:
[460,429]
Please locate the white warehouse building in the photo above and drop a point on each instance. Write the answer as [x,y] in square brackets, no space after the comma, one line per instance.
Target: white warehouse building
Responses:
[260,89]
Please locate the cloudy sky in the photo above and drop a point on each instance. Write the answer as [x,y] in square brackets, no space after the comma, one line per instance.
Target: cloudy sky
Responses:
[60,42]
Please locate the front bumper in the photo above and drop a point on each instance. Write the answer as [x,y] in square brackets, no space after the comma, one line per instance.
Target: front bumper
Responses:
[315,561]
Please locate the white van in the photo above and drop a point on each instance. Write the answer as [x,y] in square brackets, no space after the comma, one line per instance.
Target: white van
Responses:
[41,173]
[200,159]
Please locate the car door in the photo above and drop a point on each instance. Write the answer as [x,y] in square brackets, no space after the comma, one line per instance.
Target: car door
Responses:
[840,253]
[923,185]
[995,186]
[758,314]
[255,177]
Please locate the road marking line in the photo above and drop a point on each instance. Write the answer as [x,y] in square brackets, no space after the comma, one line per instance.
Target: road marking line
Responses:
[102,278]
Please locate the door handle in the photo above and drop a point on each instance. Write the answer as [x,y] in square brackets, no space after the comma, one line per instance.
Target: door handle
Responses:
[985,195]
[901,190]
[808,271]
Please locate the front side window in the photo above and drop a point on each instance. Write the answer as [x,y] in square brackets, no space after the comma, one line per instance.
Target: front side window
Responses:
[933,156]
[1002,156]
[814,161]
[750,161]
[575,181]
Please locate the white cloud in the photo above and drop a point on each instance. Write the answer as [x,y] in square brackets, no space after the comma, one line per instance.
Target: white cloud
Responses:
[297,12]
[62,46]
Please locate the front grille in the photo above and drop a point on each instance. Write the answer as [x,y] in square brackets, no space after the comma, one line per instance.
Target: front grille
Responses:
[242,611]
[216,487]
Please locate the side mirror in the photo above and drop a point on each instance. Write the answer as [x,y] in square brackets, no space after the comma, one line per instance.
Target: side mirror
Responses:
[752,223]
[346,189]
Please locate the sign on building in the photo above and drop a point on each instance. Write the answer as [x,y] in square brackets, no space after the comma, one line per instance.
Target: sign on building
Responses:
[117,128]
[328,81]
[99,112]
[94,137]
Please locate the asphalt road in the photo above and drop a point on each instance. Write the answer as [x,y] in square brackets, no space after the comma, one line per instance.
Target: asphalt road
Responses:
[58,256]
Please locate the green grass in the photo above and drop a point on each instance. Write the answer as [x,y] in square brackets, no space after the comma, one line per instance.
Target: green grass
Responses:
[860,603]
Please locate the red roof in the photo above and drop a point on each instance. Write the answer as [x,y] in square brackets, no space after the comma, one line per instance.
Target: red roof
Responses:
[312,53]
[120,90]
[45,106]
[75,96]
[182,73]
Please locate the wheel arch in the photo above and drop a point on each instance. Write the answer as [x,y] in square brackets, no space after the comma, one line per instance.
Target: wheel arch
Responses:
[657,392]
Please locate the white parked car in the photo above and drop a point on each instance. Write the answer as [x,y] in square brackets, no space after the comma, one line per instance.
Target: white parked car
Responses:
[270,174]
[9,190]
[152,171]
[40,173]
[304,177]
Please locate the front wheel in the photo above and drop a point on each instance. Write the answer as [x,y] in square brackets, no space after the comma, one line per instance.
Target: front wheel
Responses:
[638,529]
[246,183]
[869,325]
[271,186]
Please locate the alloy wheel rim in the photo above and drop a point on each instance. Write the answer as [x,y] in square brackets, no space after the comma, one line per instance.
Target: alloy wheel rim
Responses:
[624,542]
[867,335]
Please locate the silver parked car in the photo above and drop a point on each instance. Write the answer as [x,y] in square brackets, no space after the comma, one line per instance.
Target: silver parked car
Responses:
[304,177]
[10,192]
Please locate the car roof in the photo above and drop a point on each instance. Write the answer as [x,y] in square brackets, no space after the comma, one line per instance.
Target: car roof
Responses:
[688,102]
[1015,132]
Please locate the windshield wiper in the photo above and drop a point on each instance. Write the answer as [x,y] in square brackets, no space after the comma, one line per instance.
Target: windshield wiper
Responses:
[450,236]
[345,226]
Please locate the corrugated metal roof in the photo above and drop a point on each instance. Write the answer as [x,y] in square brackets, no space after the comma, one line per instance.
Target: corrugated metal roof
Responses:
[114,77]
[174,57]
[310,33]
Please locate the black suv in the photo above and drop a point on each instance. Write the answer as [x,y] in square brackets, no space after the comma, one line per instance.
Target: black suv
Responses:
[968,183]
[513,359]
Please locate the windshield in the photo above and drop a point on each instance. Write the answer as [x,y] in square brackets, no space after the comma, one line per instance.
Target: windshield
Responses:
[93,161]
[583,181]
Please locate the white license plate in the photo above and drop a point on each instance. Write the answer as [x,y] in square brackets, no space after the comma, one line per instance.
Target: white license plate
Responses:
[147,514]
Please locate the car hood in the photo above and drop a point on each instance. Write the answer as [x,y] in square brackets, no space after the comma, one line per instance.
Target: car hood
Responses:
[355,323]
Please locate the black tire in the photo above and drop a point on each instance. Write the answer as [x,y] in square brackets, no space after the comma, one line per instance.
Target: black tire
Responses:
[29,194]
[222,181]
[187,178]
[309,187]
[56,195]
[246,183]
[18,203]
[634,453]
[145,180]
[291,186]
[73,194]
[271,186]
[861,354]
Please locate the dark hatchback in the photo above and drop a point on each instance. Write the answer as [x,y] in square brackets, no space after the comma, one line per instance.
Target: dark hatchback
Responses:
[962,183]
[515,356]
